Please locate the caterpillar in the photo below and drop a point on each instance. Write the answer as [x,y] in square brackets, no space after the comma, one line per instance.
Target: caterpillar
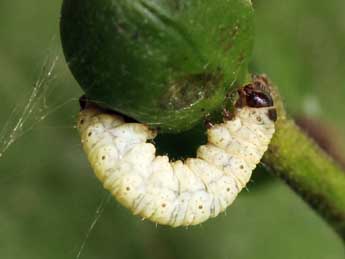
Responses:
[179,193]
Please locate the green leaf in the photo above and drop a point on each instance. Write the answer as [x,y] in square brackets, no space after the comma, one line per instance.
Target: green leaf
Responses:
[167,63]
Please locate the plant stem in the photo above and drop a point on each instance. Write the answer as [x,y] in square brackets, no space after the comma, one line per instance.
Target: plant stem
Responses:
[308,170]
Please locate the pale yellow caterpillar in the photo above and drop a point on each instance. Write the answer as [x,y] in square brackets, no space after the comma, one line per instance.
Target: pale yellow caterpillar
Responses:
[179,193]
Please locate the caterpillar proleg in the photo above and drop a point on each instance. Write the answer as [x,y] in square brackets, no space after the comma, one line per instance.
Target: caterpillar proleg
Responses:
[179,193]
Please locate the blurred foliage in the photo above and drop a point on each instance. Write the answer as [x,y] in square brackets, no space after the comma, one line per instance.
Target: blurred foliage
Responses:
[49,195]
[300,45]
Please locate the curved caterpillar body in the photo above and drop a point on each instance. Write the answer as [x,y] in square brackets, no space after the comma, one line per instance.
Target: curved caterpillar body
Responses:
[179,193]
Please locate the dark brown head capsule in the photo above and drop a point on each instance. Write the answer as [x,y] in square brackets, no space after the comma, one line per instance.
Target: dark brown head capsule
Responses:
[259,100]
[257,95]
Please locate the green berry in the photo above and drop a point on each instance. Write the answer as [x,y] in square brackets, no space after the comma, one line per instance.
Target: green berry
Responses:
[166,63]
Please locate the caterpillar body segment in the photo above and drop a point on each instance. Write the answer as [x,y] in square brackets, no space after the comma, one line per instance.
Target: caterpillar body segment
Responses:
[179,193]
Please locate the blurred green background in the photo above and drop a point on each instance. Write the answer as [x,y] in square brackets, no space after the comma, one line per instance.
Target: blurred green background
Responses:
[49,195]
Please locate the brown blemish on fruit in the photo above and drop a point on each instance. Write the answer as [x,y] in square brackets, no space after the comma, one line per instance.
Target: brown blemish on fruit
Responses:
[191,89]
[228,36]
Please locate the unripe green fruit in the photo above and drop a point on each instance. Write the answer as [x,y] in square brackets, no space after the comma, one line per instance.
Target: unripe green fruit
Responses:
[166,63]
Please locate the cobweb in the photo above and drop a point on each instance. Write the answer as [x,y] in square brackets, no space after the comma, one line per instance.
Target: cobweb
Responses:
[26,115]
[97,216]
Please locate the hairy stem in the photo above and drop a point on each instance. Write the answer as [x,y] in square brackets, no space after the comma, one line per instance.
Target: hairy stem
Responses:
[308,170]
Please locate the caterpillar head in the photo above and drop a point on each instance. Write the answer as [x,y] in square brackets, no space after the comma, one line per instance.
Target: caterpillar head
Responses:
[257,95]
